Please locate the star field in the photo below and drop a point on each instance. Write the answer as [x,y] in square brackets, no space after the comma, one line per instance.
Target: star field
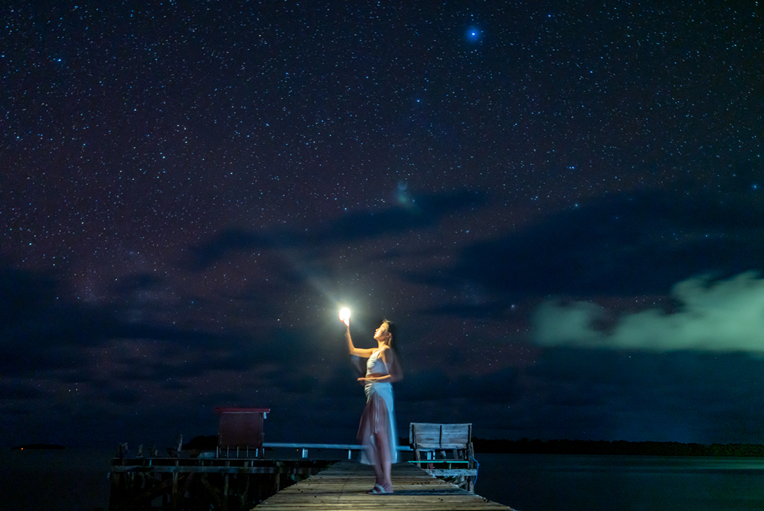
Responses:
[188,192]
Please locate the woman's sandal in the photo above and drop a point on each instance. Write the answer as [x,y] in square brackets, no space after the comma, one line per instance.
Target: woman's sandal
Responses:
[378,490]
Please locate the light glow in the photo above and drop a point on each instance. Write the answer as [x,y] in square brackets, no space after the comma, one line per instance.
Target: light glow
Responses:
[345,315]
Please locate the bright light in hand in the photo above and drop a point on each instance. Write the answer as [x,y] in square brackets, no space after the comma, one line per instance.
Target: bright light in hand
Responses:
[345,315]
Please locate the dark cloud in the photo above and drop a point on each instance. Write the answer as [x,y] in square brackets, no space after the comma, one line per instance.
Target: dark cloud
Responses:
[423,385]
[356,226]
[342,382]
[632,243]
[18,390]
[642,396]
[124,396]
[435,385]
[482,310]
[218,399]
[19,358]
[134,283]
[501,386]
[173,385]
[24,295]
[302,384]
[41,332]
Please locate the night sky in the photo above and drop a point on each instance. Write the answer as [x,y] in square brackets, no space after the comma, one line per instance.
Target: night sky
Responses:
[559,203]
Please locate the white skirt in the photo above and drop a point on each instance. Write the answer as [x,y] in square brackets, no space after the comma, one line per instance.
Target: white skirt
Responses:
[378,418]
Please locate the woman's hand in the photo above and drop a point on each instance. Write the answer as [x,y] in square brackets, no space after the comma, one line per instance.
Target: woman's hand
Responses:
[374,377]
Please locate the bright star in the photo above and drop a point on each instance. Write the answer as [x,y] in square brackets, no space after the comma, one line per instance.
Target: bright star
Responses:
[473,34]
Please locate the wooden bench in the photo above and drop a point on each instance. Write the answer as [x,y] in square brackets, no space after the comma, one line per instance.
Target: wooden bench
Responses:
[445,451]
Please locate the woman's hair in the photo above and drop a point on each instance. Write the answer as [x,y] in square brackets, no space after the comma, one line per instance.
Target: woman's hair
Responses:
[394,343]
[392,328]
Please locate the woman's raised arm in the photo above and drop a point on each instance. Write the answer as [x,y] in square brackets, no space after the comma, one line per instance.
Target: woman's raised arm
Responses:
[358,352]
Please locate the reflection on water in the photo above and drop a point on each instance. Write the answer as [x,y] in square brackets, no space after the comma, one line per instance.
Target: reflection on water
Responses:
[542,482]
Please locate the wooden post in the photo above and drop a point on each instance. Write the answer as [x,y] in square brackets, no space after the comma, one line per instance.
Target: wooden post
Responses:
[245,495]
[276,483]
[225,488]
[174,497]
[165,495]
[116,492]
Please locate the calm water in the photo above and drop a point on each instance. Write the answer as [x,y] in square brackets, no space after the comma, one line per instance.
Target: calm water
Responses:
[66,480]
[543,482]
[76,480]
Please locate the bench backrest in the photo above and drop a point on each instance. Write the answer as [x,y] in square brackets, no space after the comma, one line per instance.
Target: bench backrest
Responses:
[425,435]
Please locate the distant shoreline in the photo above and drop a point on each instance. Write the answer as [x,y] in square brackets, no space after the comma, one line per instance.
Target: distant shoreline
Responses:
[597,447]
[32,447]
[537,446]
[619,447]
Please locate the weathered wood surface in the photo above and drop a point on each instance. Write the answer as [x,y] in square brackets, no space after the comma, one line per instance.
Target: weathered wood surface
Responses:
[425,435]
[343,486]
[216,466]
[431,443]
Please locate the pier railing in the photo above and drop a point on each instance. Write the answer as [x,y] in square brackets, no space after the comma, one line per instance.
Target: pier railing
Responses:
[305,447]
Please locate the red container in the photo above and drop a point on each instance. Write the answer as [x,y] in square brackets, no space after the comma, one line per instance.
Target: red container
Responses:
[241,427]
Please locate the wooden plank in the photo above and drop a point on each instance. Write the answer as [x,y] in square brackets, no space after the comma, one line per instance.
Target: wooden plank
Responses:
[343,486]
[159,469]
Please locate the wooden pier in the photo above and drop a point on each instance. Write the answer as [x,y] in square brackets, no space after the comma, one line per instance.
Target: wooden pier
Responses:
[229,484]
[343,486]
[198,476]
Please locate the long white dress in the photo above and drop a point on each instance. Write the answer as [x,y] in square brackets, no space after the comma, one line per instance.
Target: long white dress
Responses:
[379,414]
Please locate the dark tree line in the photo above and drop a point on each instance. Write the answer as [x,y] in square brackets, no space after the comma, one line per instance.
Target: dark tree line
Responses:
[620,447]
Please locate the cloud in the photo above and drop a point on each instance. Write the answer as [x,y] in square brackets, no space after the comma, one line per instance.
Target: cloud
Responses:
[125,396]
[629,244]
[688,396]
[723,315]
[12,390]
[435,384]
[45,332]
[22,294]
[426,211]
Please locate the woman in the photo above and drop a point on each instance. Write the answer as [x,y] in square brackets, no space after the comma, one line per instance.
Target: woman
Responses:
[377,431]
